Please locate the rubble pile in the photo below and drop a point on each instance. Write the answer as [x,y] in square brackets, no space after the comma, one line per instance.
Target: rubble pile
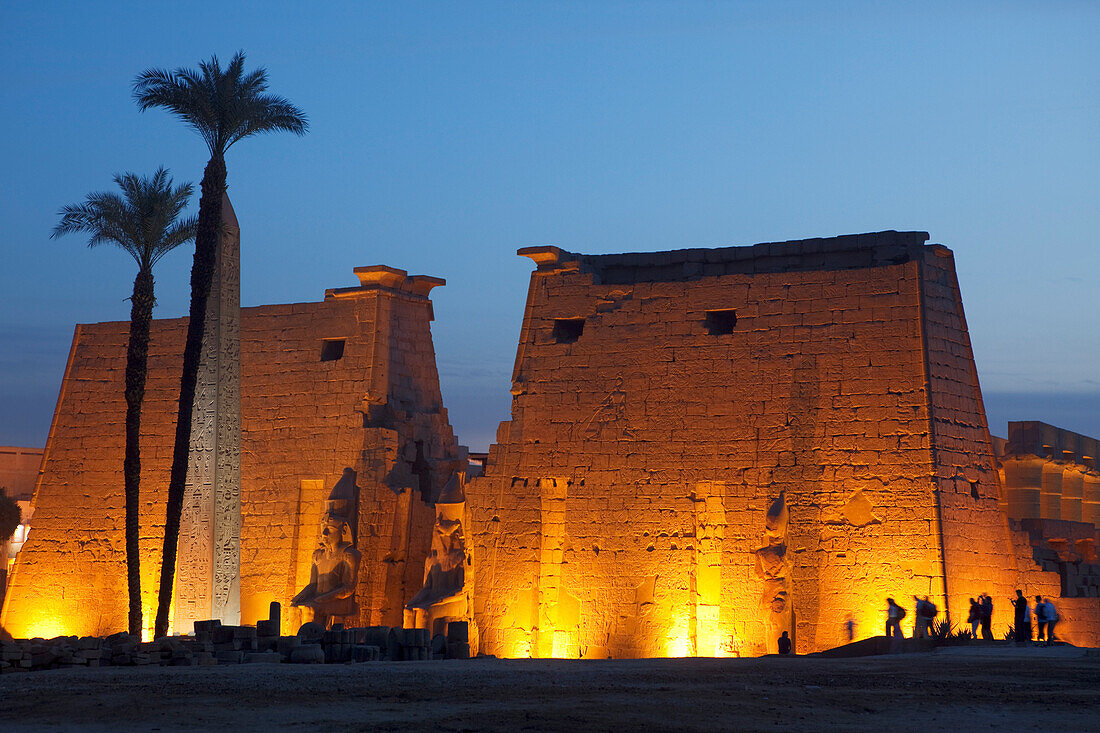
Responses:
[215,644]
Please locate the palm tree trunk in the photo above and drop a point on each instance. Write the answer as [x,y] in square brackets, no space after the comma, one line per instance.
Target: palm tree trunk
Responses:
[137,356]
[202,273]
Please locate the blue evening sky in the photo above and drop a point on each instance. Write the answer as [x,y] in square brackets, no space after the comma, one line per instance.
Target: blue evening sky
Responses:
[447,135]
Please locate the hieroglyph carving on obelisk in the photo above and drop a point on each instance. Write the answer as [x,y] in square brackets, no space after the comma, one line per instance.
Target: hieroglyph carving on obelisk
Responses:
[209,557]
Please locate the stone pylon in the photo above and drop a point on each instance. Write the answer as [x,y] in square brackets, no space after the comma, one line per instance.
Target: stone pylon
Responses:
[209,556]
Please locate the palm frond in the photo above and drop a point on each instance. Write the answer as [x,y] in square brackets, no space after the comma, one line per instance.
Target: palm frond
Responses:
[178,233]
[142,221]
[154,88]
[224,105]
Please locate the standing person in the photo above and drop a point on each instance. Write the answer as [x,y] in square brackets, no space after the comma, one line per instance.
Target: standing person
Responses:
[987,616]
[894,615]
[930,613]
[1052,618]
[925,612]
[974,618]
[1041,619]
[784,644]
[1022,626]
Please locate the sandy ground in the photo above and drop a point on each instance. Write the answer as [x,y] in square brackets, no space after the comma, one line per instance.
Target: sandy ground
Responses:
[1052,690]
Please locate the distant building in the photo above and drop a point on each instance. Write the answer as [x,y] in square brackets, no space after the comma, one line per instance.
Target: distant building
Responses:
[1052,491]
[18,473]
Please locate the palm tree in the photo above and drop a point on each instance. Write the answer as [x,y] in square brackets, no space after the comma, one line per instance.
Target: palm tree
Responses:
[223,106]
[145,222]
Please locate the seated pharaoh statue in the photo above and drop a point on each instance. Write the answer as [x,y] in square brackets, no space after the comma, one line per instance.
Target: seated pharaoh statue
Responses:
[444,596]
[330,595]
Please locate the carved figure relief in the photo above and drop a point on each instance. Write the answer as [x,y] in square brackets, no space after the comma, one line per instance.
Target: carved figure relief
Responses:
[609,415]
[444,596]
[330,594]
[209,557]
[772,565]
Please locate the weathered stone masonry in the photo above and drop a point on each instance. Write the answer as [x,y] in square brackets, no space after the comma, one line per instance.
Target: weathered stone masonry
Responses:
[706,447]
[347,382]
[1052,493]
[663,401]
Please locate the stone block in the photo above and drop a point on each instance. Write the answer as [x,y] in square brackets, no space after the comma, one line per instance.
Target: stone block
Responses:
[307,654]
[458,650]
[243,632]
[207,627]
[365,653]
[287,644]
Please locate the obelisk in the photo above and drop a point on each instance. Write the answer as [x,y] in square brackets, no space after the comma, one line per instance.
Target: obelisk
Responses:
[209,557]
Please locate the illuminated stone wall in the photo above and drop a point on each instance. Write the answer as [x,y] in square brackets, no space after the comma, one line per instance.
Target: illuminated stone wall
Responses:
[1050,473]
[304,419]
[663,401]
[1052,493]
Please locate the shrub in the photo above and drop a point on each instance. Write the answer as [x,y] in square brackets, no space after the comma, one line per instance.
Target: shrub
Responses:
[10,517]
[941,631]
[962,635]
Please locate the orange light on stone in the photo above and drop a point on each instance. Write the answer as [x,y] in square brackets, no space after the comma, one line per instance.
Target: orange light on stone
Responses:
[518,644]
[678,643]
[707,632]
[50,627]
[561,645]
[296,443]
[650,440]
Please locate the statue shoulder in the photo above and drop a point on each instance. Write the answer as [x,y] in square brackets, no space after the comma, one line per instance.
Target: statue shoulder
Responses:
[351,553]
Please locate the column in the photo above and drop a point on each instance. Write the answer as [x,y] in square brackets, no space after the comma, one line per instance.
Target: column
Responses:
[1023,485]
[1050,498]
[1073,480]
[1090,498]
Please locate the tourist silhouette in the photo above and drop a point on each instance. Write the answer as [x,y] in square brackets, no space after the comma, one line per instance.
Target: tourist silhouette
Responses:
[784,644]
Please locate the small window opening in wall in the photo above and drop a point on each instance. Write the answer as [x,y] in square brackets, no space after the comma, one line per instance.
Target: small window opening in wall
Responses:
[332,349]
[721,322]
[568,330]
[974,491]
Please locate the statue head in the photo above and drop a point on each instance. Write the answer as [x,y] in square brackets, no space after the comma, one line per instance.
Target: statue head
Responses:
[341,511]
[332,532]
[775,520]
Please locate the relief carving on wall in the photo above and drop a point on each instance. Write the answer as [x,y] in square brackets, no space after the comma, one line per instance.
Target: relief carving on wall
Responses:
[608,421]
[208,559]
[772,565]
